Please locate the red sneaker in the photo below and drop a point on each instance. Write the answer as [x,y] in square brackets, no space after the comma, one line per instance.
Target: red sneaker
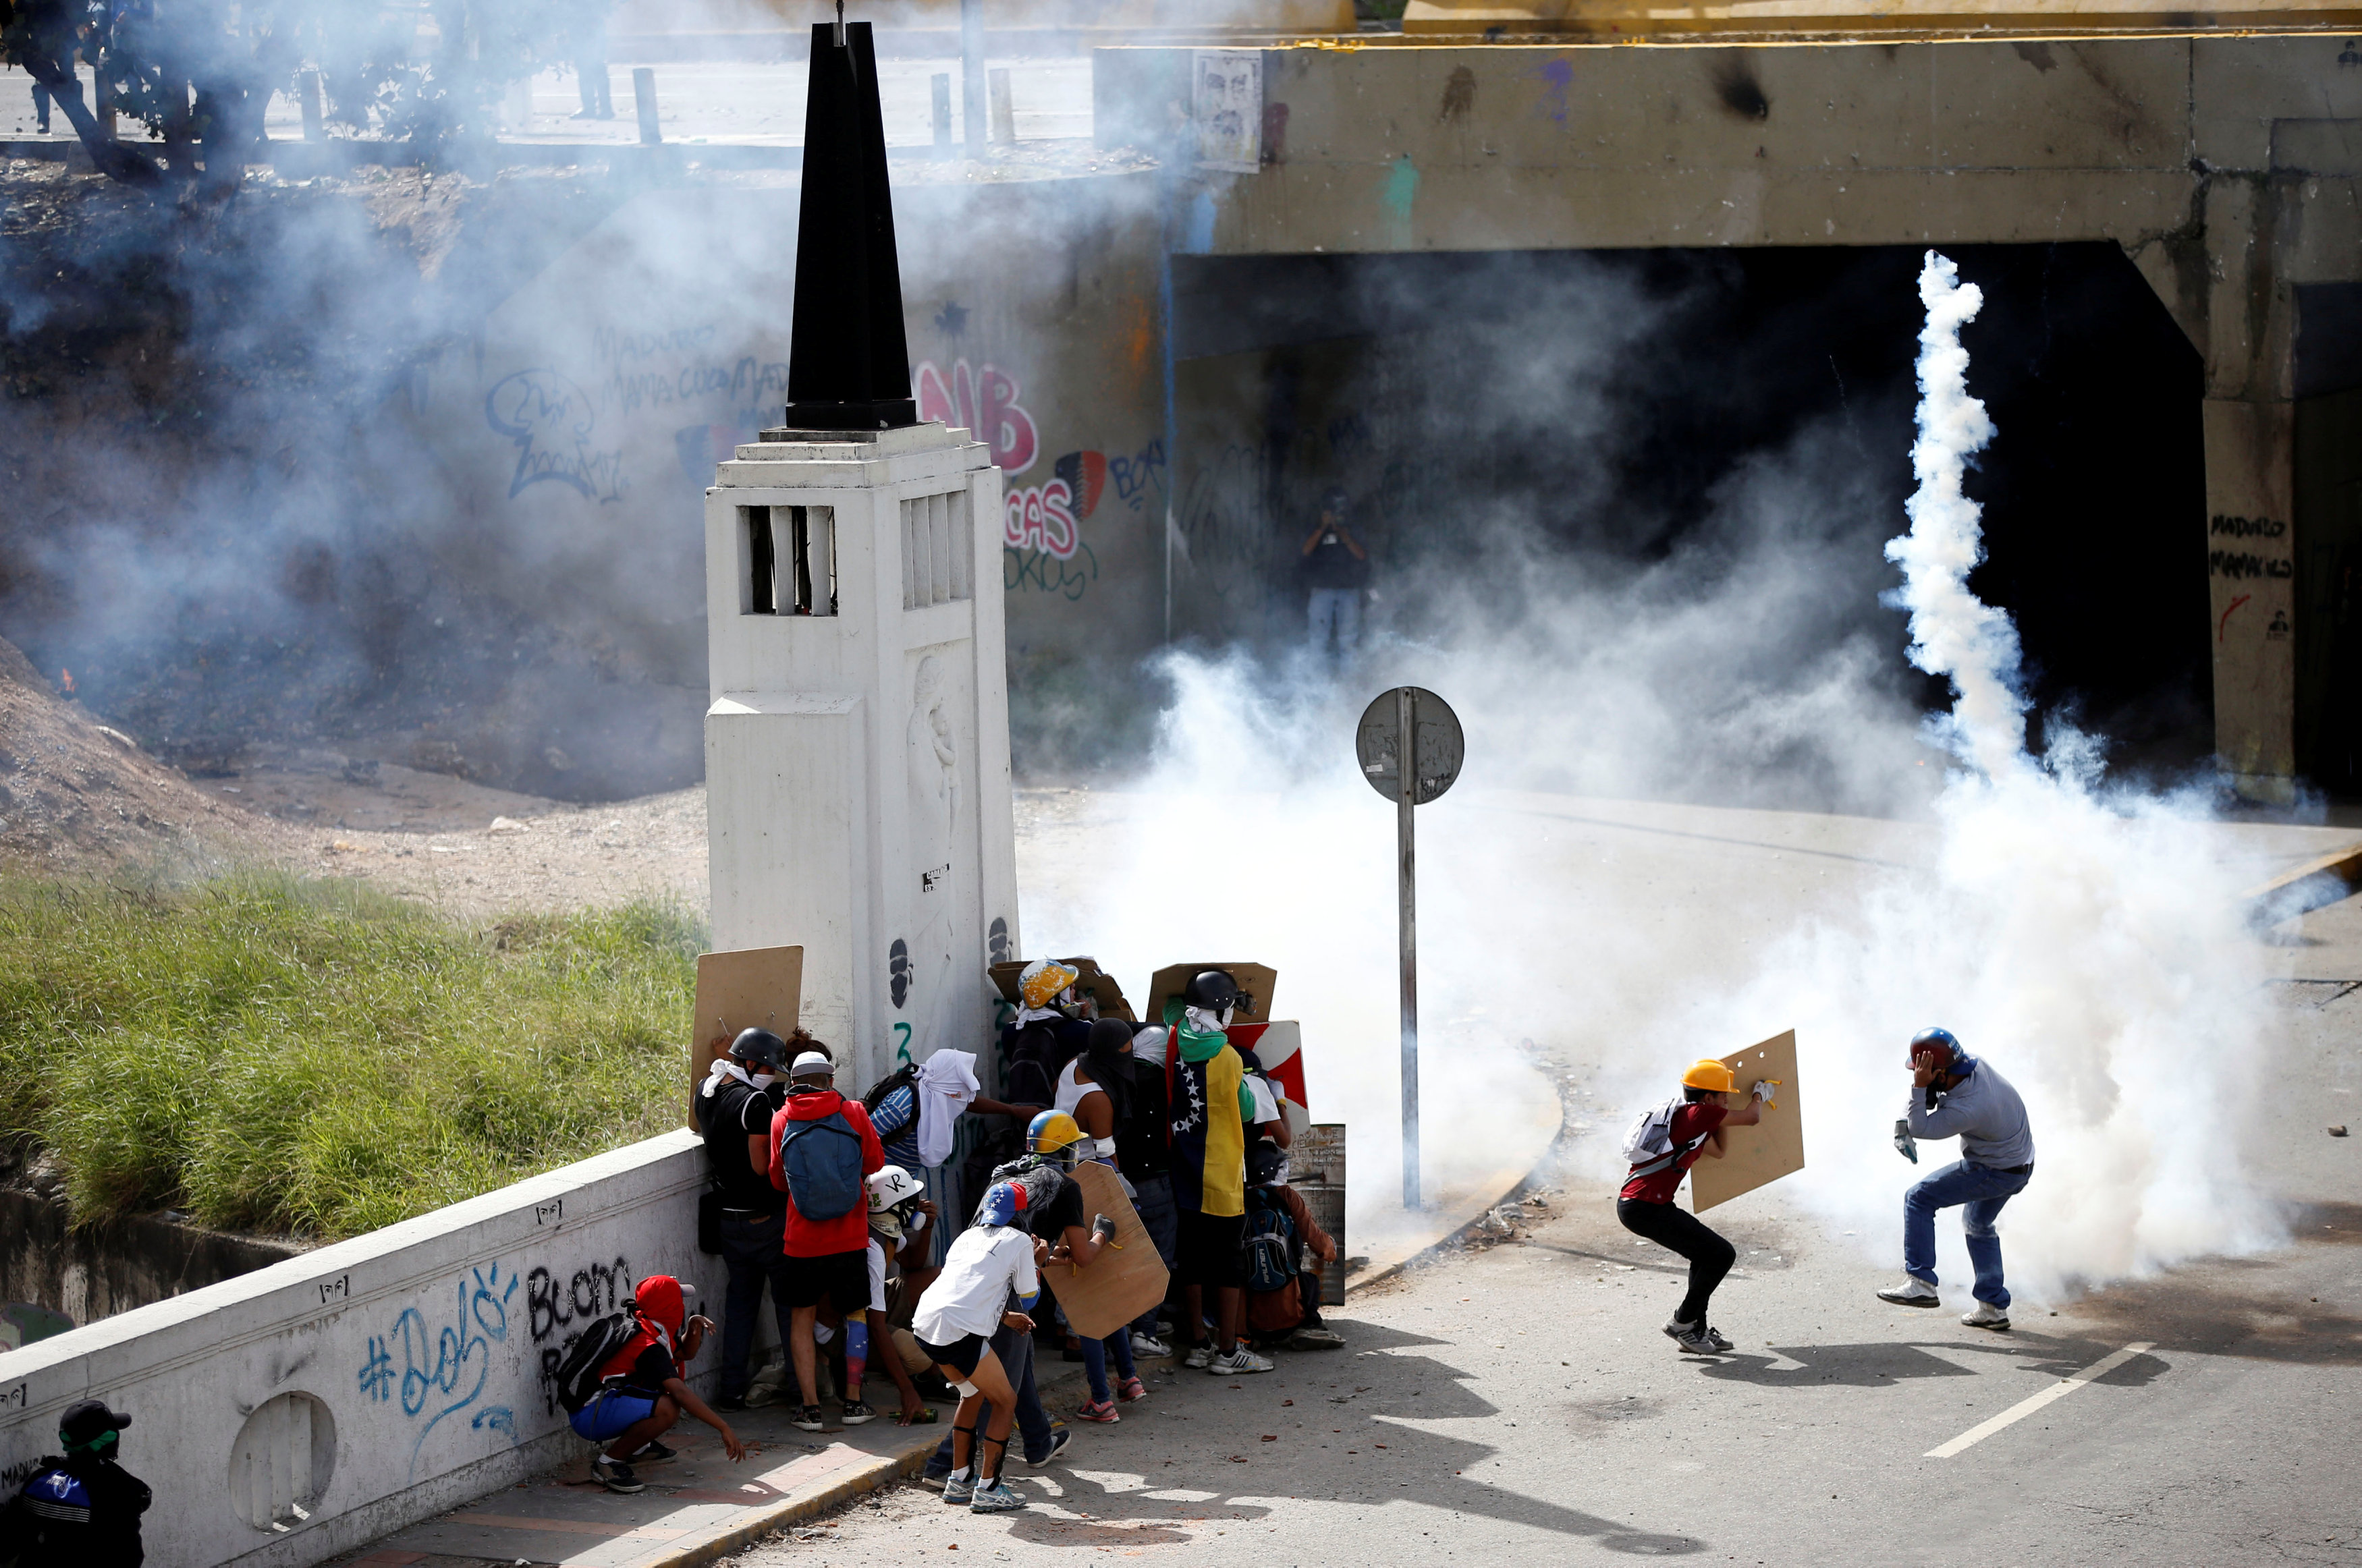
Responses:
[1100,1411]
[1131,1391]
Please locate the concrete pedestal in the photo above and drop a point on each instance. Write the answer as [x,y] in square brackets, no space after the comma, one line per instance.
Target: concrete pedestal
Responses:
[856,748]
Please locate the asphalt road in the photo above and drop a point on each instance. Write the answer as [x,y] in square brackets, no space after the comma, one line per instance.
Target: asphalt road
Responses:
[1517,1403]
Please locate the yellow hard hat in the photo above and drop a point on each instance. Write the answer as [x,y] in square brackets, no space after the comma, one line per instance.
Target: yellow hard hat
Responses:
[1705,1073]
[1054,1133]
[1043,979]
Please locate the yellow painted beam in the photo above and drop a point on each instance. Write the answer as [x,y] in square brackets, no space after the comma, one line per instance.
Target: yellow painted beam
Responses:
[1872,18]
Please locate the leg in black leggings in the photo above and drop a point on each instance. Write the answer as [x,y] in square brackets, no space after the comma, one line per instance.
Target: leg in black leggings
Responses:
[1710,1256]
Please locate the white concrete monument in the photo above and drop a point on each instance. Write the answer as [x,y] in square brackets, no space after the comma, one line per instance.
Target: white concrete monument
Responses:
[857,750]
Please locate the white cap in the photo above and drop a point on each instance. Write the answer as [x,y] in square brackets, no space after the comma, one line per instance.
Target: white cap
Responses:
[811,1064]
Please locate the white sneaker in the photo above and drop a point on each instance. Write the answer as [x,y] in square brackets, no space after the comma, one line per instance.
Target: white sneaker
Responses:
[1148,1345]
[1912,1293]
[1200,1355]
[1986,1315]
[1240,1360]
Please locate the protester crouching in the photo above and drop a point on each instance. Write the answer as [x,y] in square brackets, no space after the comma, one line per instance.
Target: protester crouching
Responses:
[79,1509]
[1283,1295]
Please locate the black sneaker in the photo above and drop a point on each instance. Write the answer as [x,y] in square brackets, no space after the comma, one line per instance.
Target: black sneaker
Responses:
[1714,1337]
[808,1418]
[1059,1439]
[615,1476]
[731,1402]
[652,1450]
[857,1412]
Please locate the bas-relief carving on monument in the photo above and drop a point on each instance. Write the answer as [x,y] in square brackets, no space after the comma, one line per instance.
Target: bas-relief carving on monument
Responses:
[933,760]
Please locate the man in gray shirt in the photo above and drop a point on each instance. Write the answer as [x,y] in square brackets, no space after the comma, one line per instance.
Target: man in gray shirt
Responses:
[1953,1094]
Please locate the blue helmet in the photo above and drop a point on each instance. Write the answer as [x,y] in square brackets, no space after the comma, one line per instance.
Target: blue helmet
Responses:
[1939,1044]
[1003,1202]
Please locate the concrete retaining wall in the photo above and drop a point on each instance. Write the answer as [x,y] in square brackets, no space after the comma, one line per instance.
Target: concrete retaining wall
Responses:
[293,1413]
[102,1270]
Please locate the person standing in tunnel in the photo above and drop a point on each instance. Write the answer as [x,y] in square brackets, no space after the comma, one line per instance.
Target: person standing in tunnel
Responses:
[1336,574]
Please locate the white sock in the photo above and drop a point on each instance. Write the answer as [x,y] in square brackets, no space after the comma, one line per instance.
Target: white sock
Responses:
[963,1473]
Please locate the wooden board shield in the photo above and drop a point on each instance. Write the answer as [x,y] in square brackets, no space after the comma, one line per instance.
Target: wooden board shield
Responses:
[755,986]
[1091,981]
[1126,1279]
[1255,983]
[1775,1147]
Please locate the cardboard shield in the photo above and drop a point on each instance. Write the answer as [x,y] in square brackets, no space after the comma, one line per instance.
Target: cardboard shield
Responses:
[754,986]
[1091,981]
[1126,1279]
[1773,1148]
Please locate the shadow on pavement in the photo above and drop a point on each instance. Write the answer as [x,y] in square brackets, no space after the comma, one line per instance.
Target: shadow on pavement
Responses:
[1880,1363]
[1397,1462]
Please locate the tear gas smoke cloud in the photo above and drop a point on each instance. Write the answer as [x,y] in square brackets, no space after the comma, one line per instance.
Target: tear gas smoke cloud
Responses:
[2081,939]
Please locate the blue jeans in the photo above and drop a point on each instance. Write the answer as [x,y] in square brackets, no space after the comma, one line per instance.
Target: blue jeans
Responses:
[1095,1360]
[1984,1190]
[1334,611]
[1015,1352]
[750,1251]
[1152,1199]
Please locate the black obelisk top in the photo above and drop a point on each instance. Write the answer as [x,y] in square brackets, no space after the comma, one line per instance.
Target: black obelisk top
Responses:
[848,361]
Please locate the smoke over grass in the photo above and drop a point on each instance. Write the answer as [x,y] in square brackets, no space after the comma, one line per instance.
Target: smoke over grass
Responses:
[2080,936]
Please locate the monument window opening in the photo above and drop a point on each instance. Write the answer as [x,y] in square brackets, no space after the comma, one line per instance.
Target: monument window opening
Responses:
[811,556]
[789,558]
[938,552]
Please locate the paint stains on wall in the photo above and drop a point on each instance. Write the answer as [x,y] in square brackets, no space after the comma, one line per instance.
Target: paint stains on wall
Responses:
[1460,94]
[1557,75]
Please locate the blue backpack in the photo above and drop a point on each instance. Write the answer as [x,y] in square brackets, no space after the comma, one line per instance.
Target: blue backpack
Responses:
[1269,1244]
[823,1172]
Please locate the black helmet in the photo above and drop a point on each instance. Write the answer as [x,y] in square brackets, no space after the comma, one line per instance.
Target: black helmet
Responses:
[1264,1161]
[1212,989]
[759,1047]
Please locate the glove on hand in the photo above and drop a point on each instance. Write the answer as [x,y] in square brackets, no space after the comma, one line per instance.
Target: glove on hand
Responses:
[1904,1145]
[1765,1088]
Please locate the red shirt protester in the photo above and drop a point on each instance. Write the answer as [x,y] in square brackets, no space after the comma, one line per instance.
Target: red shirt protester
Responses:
[849,1231]
[1690,1126]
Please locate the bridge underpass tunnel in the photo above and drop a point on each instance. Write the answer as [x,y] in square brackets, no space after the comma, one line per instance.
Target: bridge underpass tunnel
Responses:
[1638,415]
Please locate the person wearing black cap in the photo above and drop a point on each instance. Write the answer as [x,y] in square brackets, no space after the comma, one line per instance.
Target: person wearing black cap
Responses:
[733,1111]
[79,1510]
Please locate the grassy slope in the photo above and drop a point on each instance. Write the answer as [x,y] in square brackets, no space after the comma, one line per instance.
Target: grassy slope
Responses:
[276,1054]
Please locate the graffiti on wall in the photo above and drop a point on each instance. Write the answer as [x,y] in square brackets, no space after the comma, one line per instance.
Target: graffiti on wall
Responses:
[1033,570]
[1133,474]
[558,1308]
[445,1360]
[1040,517]
[984,401]
[551,420]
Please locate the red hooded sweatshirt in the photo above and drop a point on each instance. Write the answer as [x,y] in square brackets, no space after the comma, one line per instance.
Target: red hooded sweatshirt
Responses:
[647,1359]
[849,1231]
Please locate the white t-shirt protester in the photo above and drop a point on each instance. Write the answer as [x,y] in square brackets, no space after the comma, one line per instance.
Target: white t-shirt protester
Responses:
[985,1265]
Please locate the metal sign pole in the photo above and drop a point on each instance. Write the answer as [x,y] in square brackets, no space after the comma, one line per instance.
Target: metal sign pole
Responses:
[1406,801]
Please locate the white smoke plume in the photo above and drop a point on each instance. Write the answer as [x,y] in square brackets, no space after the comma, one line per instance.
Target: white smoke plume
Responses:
[2083,940]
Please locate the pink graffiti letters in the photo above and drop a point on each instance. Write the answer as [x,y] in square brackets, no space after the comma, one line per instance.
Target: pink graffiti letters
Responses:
[984,401]
[1040,517]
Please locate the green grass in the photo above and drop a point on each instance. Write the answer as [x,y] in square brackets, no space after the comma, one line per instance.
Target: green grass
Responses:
[275,1053]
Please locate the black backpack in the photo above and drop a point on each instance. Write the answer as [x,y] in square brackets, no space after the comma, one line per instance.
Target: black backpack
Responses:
[905,1075]
[1270,1244]
[577,1372]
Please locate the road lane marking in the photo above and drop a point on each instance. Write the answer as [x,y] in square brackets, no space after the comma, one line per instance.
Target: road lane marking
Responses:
[2026,1406]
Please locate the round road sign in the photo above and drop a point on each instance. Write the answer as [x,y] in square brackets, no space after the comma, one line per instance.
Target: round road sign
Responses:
[1377,743]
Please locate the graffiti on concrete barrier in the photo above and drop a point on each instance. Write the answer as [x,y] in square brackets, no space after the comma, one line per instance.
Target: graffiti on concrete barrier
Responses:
[984,401]
[1040,517]
[2245,563]
[2247,527]
[1069,578]
[550,420]
[437,1366]
[1086,475]
[556,1304]
[1132,475]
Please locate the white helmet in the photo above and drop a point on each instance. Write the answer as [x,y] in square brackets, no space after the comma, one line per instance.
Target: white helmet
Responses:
[890,1185]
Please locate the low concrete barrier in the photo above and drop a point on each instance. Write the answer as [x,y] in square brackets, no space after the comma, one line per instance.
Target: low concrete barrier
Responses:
[293,1413]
